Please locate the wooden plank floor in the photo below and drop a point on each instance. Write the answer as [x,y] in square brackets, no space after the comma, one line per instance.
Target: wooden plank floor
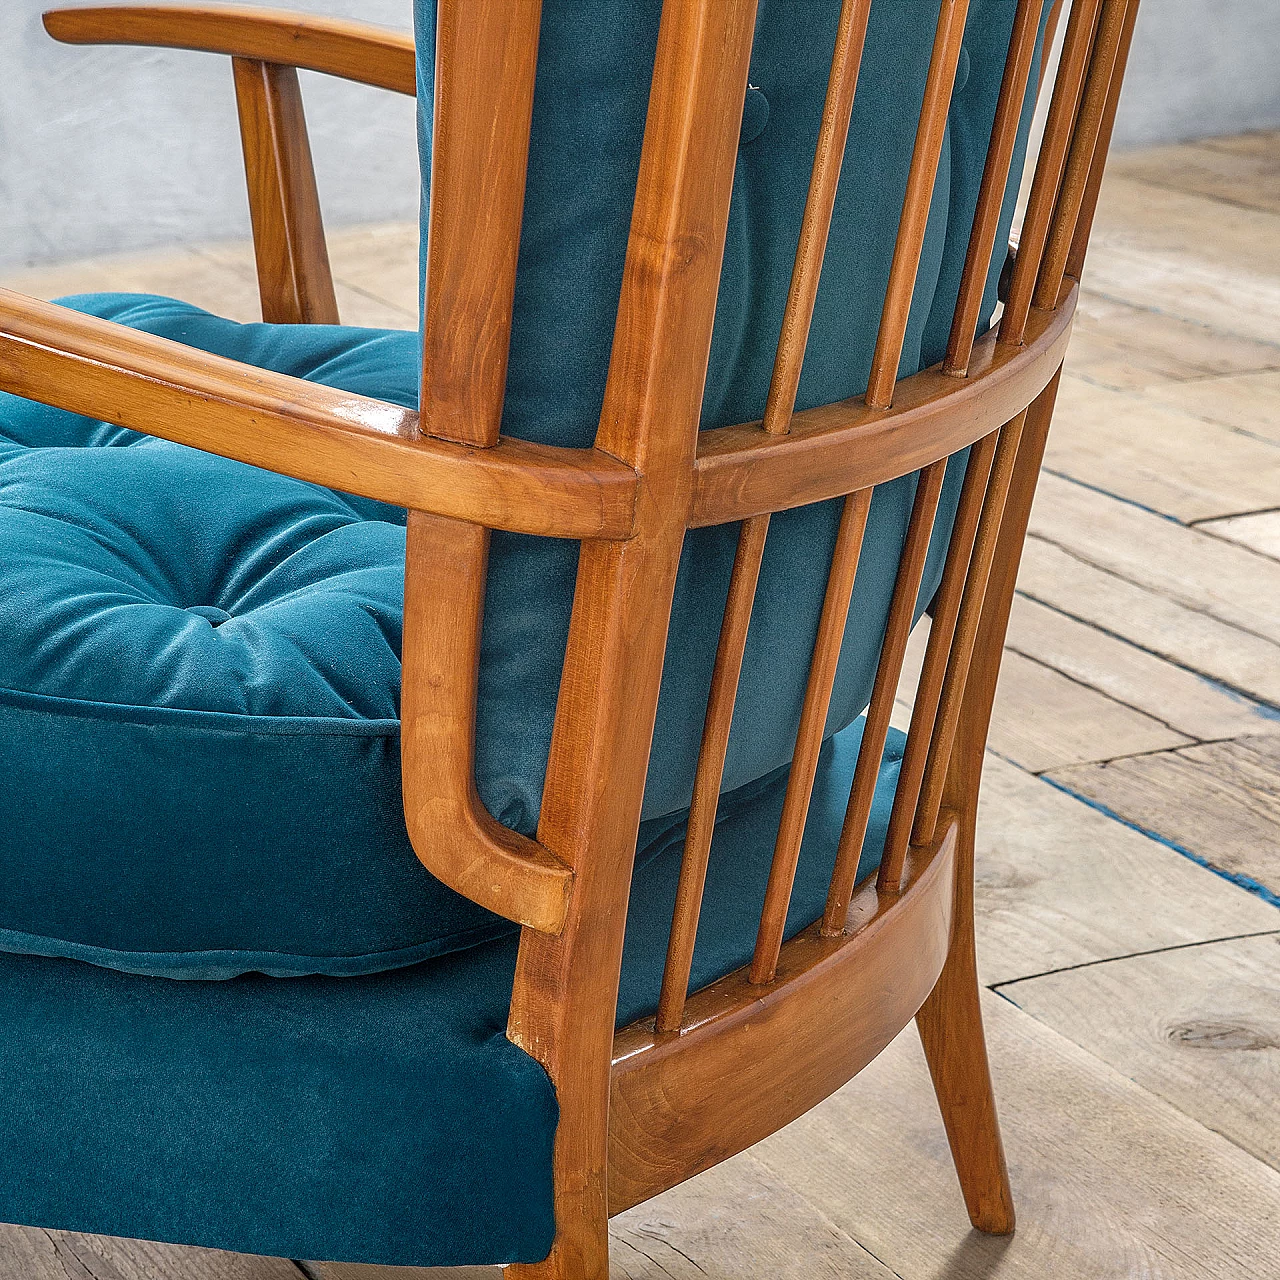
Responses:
[1129,860]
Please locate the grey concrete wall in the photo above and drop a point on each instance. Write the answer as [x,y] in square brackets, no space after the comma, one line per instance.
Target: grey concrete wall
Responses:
[109,150]
[104,150]
[1200,68]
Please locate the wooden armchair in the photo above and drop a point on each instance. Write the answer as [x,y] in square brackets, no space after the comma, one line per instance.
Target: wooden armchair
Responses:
[715,1069]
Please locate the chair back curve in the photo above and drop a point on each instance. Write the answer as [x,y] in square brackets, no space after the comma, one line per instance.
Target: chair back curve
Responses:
[753,253]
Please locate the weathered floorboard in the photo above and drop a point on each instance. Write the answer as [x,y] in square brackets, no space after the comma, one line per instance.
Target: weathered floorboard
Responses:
[1060,884]
[1220,801]
[1110,1181]
[1199,1027]
[1198,470]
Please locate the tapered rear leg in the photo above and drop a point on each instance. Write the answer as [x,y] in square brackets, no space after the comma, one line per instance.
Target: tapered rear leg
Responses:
[950,1024]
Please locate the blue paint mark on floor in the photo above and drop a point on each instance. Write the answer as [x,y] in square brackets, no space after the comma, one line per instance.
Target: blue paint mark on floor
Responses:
[1248,883]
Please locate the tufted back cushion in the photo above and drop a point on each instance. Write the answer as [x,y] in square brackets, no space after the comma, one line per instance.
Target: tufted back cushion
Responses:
[594,65]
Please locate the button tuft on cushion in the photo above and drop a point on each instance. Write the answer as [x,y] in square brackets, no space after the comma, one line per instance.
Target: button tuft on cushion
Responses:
[755,115]
[215,616]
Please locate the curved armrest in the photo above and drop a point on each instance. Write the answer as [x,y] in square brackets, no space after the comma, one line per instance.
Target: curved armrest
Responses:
[352,50]
[333,438]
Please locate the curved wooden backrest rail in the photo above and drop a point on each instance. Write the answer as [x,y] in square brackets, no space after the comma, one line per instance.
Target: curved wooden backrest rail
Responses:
[352,50]
[330,437]
[742,471]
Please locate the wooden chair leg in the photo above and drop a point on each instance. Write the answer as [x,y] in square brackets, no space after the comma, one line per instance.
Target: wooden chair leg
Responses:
[950,1025]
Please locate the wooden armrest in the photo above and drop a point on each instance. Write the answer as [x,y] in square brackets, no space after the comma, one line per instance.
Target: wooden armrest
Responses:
[352,50]
[352,443]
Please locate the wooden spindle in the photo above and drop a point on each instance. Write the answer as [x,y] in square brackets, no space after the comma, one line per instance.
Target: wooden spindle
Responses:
[915,207]
[946,609]
[1084,143]
[710,772]
[813,719]
[975,588]
[806,273]
[486,57]
[294,279]
[1088,206]
[902,607]
[816,224]
[1059,128]
[995,178]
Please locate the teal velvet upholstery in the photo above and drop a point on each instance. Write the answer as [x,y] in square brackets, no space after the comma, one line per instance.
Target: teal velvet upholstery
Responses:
[199,680]
[383,1118]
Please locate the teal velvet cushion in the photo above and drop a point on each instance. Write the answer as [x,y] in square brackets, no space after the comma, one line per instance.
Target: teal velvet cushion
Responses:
[383,1118]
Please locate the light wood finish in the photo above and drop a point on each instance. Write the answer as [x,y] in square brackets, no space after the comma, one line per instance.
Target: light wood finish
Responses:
[1112,1181]
[1198,1026]
[1220,801]
[329,437]
[1204,469]
[1144,616]
[1134,677]
[1260,532]
[288,230]
[1203,573]
[1043,906]
[1046,720]
[335,46]
[644,1108]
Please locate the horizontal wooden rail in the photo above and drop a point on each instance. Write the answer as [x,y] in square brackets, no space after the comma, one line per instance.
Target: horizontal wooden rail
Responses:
[351,50]
[334,438]
[749,1059]
[835,449]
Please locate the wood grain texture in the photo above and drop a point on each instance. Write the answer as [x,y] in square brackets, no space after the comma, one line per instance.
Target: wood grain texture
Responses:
[1193,258]
[735,1222]
[316,433]
[1260,533]
[453,834]
[1182,564]
[352,50]
[1199,1027]
[1220,800]
[294,279]
[486,58]
[1129,346]
[1249,402]
[1110,1180]
[1046,720]
[1200,469]
[1183,700]
[1243,171]
[786,1046]
[31,1253]
[562,1008]
[1059,884]
[1145,617]
[905,265]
